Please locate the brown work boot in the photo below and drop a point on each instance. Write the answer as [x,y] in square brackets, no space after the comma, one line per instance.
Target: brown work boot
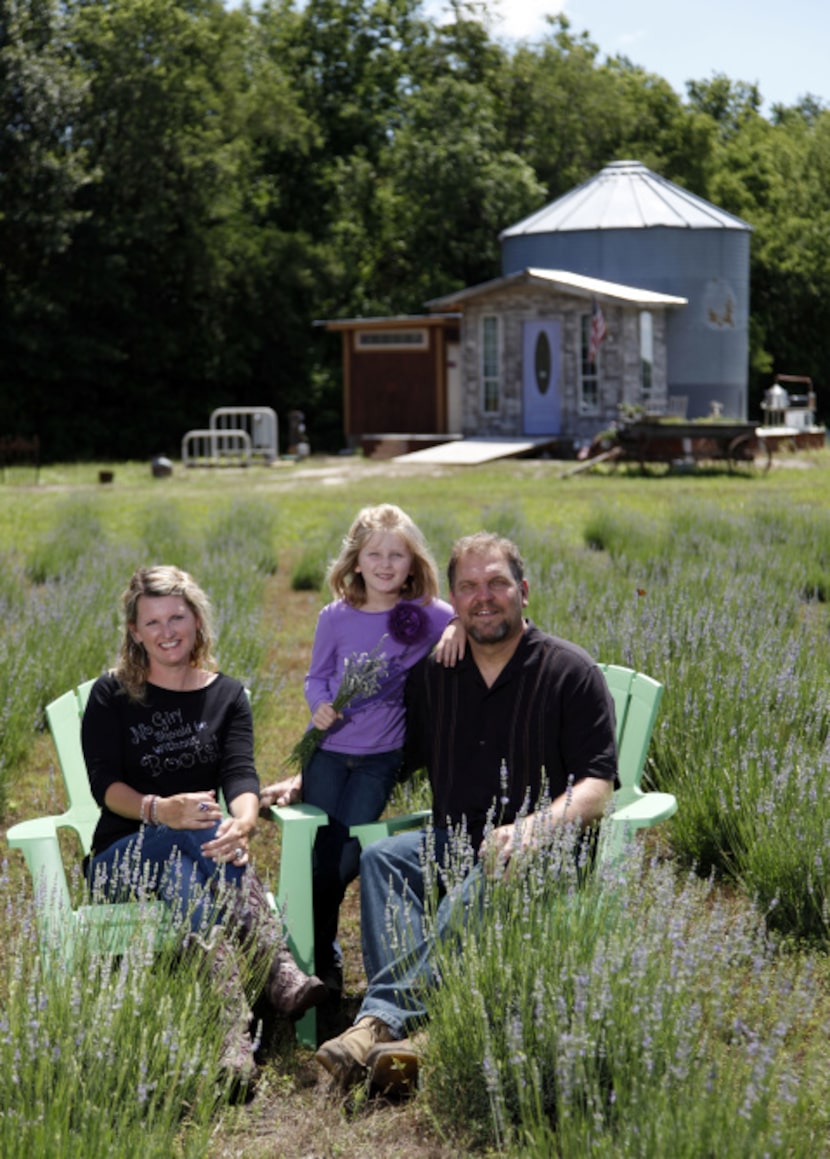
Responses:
[345,1057]
[393,1066]
[236,1059]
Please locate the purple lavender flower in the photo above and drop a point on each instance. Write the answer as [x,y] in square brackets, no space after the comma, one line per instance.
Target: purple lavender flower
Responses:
[408,623]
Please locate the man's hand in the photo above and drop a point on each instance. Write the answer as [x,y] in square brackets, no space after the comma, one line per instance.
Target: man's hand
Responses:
[584,803]
[501,846]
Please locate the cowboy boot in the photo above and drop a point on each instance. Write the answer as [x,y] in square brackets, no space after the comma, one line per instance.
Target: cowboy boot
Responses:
[289,990]
[236,1058]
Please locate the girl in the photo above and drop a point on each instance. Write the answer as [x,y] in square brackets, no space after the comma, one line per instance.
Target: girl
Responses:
[385,585]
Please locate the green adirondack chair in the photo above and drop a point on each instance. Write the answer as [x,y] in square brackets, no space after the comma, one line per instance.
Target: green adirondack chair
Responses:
[636,702]
[108,927]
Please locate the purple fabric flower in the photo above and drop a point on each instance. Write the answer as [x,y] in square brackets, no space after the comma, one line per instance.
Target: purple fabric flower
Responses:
[408,623]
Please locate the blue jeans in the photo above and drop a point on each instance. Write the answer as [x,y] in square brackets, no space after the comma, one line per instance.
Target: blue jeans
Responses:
[351,789]
[397,941]
[168,863]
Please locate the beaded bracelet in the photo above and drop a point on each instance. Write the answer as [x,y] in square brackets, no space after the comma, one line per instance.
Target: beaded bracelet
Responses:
[142,813]
[154,820]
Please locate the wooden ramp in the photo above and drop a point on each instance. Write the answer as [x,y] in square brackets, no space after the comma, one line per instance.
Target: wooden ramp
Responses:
[470,452]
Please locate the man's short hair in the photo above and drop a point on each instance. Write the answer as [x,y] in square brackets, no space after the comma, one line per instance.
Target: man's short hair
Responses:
[483,542]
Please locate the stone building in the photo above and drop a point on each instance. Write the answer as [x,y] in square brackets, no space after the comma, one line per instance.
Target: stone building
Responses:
[526,354]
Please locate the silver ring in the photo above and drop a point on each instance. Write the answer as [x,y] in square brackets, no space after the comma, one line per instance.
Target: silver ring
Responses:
[203,806]
[238,853]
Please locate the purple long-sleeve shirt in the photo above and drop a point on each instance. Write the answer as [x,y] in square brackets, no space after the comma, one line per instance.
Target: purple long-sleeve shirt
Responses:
[376,725]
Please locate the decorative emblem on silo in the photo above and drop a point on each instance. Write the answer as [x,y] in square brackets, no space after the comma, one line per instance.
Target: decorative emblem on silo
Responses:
[541,362]
[720,305]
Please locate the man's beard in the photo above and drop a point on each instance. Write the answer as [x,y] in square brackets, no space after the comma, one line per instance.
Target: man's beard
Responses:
[492,635]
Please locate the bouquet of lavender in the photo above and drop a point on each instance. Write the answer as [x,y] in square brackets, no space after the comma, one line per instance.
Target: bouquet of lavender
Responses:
[362,676]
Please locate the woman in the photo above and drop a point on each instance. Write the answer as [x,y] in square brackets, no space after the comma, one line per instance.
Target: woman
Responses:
[163,734]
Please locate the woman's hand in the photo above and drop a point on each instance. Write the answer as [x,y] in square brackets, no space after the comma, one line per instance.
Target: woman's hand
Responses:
[231,841]
[286,792]
[189,810]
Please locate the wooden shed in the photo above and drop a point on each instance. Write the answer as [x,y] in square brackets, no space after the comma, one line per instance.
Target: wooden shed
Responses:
[398,375]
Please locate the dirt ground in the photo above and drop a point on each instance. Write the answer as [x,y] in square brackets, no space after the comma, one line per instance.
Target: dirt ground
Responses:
[296,1113]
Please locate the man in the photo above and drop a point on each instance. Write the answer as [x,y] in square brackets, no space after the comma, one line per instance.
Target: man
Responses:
[523,713]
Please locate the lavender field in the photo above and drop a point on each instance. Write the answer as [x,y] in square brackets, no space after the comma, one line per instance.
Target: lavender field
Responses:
[681,1006]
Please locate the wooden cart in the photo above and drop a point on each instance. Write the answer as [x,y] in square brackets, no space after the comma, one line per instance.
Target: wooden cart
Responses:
[737,444]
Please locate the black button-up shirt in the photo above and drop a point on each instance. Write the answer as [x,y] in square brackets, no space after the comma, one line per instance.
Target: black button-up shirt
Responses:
[548,719]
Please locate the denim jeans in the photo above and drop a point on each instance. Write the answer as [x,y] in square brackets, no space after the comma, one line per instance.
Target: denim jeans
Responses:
[397,941]
[351,789]
[170,864]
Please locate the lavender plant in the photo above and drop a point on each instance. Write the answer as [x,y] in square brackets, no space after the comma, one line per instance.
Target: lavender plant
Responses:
[115,1056]
[637,1013]
[721,609]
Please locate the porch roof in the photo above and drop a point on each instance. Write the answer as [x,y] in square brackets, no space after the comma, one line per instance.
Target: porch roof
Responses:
[579,285]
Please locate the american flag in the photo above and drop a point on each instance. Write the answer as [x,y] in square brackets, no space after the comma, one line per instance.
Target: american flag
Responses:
[599,332]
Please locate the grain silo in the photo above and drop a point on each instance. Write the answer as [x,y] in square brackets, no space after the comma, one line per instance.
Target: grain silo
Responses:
[632,226]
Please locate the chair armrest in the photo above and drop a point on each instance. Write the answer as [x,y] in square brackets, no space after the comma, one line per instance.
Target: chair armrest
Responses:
[374,830]
[645,810]
[291,814]
[38,842]
[298,831]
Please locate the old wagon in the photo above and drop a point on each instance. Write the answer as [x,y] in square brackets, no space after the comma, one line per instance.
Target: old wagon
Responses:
[677,443]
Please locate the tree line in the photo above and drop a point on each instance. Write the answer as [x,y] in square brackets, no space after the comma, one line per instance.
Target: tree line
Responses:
[185,188]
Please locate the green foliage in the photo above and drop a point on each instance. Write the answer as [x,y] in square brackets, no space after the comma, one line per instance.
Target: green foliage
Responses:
[59,551]
[187,187]
[309,572]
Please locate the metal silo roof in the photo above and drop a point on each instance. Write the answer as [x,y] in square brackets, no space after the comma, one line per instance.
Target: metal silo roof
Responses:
[626,195]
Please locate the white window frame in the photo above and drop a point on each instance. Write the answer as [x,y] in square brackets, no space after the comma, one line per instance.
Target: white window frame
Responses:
[589,374]
[646,356]
[491,339]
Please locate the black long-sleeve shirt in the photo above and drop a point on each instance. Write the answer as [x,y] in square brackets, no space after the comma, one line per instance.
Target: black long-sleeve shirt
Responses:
[173,742]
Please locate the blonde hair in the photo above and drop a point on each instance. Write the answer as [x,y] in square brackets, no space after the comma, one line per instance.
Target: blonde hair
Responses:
[162,580]
[348,584]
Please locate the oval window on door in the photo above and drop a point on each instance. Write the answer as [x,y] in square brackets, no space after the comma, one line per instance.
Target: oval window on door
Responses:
[542,362]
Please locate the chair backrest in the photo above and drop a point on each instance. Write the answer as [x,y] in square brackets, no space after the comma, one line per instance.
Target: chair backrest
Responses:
[636,703]
[64,718]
